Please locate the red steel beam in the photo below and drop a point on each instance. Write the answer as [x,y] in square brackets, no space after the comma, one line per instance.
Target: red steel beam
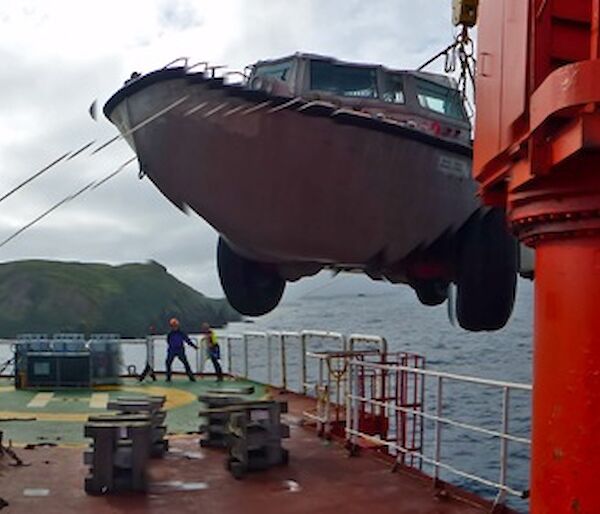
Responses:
[537,151]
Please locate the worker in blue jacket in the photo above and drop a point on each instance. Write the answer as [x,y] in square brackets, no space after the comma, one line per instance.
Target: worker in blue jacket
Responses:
[175,341]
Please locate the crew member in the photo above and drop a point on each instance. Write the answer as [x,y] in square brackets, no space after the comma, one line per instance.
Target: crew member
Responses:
[175,340]
[212,347]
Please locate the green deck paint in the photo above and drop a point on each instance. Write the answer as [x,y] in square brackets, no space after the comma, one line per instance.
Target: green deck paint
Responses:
[60,421]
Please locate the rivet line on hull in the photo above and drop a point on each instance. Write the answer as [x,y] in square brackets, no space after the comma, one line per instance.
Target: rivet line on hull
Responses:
[191,111]
[256,107]
[352,112]
[285,105]
[142,123]
[317,103]
[234,110]
[215,109]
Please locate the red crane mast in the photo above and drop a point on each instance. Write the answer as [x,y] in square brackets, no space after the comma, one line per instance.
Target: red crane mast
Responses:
[537,152]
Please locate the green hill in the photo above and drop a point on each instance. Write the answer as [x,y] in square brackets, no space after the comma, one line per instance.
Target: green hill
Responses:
[48,297]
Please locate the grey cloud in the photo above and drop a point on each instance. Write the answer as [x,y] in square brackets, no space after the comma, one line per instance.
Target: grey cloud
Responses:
[179,15]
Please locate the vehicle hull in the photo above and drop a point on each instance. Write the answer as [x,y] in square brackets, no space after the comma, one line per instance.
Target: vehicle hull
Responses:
[296,182]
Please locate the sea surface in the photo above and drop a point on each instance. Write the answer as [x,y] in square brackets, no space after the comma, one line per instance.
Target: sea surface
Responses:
[408,326]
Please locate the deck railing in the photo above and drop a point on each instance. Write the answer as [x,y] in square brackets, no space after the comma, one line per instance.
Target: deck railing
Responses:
[440,420]
[290,360]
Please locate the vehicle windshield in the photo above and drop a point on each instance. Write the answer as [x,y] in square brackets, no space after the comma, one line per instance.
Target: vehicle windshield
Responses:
[440,99]
[280,70]
[393,89]
[343,80]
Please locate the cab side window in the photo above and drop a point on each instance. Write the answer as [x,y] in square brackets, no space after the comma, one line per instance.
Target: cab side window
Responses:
[440,99]
[280,71]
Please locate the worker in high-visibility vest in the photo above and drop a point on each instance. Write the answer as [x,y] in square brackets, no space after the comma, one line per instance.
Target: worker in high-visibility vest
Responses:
[212,347]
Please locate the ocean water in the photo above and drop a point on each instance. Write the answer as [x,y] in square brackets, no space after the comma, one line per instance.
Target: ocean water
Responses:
[408,326]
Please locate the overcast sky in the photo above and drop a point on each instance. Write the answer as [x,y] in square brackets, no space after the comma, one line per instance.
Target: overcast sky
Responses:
[58,56]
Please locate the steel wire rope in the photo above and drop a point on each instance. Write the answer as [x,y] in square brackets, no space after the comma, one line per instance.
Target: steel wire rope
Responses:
[92,111]
[71,154]
[459,54]
[88,187]
[67,156]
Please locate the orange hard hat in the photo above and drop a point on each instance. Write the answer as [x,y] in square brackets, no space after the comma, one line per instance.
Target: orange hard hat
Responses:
[174,322]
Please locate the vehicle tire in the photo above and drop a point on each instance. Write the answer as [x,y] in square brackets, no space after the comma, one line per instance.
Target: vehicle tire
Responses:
[285,456]
[431,292]
[487,273]
[237,469]
[251,288]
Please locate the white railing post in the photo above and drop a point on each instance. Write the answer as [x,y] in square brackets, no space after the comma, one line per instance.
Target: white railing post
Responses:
[198,355]
[283,362]
[503,445]
[355,407]
[438,430]
[269,361]
[150,351]
[320,396]
[303,359]
[245,339]
[348,402]
[229,355]
[327,398]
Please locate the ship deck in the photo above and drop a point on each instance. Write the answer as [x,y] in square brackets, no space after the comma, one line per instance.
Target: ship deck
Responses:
[320,476]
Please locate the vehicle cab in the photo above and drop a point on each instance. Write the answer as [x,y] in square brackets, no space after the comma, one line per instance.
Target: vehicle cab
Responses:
[424,101]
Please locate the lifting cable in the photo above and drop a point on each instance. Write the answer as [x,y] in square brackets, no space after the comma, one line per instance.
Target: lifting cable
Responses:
[459,55]
[89,187]
[67,156]
[93,113]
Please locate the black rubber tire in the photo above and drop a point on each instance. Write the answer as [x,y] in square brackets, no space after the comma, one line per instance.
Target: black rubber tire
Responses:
[487,273]
[250,287]
[237,469]
[431,292]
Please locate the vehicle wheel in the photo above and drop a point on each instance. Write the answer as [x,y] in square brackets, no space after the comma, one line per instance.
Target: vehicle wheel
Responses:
[251,288]
[238,470]
[487,273]
[431,292]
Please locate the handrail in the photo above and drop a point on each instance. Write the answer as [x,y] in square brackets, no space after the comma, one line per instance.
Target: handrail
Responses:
[352,429]
[289,359]
[452,376]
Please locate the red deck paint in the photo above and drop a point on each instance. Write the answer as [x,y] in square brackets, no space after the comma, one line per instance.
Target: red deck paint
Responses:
[328,480]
